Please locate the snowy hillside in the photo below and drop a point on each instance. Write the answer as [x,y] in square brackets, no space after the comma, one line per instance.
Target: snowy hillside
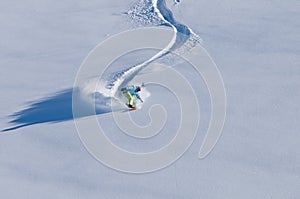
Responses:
[255,46]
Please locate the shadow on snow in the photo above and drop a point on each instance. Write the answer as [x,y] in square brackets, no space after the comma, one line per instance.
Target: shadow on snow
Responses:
[56,108]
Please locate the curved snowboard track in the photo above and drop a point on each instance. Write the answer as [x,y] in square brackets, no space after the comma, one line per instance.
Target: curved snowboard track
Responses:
[182,35]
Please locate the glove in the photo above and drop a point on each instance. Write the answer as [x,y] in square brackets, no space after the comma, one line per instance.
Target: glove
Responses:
[123,89]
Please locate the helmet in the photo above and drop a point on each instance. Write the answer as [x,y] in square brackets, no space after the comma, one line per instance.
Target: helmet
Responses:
[139,88]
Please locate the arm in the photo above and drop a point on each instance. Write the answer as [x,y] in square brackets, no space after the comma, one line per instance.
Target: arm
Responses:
[139,97]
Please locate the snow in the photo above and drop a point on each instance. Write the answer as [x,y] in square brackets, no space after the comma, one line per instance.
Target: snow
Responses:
[255,46]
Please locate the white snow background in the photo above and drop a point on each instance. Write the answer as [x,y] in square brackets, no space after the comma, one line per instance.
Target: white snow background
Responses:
[256,47]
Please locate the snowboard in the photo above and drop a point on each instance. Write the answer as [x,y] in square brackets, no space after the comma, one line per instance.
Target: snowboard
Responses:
[131,108]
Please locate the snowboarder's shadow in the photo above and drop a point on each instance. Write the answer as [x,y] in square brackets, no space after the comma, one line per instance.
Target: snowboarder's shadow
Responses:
[52,109]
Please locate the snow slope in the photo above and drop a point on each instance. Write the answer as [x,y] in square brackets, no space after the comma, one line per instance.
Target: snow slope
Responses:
[255,45]
[45,110]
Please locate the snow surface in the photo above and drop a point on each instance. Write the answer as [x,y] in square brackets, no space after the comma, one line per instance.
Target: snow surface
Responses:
[255,45]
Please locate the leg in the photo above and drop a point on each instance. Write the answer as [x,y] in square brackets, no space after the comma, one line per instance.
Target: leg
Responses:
[129,97]
[131,100]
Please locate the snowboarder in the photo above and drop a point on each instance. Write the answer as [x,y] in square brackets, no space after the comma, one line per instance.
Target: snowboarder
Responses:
[131,92]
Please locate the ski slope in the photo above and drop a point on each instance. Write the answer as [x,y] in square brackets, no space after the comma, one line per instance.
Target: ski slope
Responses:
[254,45]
